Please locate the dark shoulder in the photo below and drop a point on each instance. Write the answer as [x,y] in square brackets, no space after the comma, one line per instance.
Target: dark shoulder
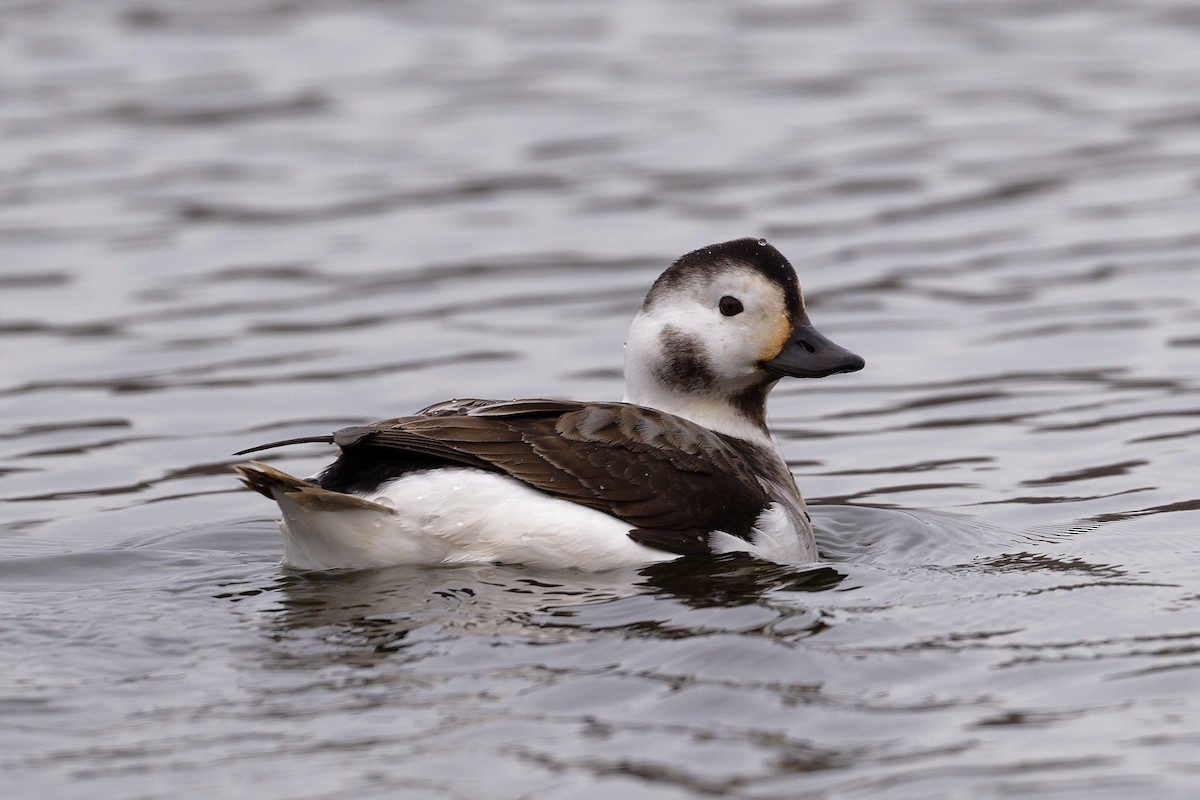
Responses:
[762,462]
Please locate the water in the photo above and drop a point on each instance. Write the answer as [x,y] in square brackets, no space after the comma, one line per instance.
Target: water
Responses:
[226,222]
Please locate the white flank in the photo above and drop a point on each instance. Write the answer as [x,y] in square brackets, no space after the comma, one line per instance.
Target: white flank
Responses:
[455,516]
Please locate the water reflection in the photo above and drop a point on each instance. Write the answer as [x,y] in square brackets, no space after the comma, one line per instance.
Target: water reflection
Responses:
[383,606]
[366,615]
[734,579]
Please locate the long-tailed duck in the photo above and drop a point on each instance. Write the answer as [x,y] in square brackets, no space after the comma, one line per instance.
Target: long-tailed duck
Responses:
[685,465]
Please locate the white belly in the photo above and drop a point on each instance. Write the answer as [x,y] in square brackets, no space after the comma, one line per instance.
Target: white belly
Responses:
[453,516]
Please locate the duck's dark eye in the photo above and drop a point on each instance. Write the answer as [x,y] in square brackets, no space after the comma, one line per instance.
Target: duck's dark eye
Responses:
[730,306]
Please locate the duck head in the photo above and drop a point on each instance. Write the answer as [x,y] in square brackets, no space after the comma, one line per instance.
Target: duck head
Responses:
[718,330]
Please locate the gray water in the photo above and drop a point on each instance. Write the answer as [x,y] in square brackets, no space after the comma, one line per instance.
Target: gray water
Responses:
[226,222]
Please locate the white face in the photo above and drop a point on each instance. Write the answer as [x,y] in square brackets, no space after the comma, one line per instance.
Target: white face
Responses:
[693,338]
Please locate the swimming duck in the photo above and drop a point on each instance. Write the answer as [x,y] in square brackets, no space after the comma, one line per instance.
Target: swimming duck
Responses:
[685,465]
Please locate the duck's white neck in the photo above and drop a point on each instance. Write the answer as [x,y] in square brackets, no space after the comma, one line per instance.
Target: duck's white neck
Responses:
[715,413]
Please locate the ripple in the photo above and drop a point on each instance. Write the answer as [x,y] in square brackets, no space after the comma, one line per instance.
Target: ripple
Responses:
[850,534]
[476,189]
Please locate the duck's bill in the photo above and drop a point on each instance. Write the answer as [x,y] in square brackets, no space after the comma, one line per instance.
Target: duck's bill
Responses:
[808,354]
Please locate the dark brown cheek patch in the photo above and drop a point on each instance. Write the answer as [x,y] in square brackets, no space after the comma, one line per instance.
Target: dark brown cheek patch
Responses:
[684,362]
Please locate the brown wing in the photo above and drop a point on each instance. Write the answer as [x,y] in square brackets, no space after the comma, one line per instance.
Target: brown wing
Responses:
[667,477]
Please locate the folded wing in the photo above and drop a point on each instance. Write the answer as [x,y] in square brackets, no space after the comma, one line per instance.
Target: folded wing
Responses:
[673,481]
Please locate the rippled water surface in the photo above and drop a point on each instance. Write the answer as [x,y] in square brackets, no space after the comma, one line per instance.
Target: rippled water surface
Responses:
[224,222]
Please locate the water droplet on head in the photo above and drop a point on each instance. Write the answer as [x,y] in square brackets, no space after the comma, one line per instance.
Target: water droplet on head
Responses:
[762,242]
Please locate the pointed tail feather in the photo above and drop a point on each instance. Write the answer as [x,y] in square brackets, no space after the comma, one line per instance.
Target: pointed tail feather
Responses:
[285,442]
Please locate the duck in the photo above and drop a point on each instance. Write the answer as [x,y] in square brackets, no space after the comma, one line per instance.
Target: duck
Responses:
[684,465]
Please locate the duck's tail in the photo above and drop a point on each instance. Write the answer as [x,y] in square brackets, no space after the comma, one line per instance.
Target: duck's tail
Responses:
[266,479]
[281,487]
[324,529]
